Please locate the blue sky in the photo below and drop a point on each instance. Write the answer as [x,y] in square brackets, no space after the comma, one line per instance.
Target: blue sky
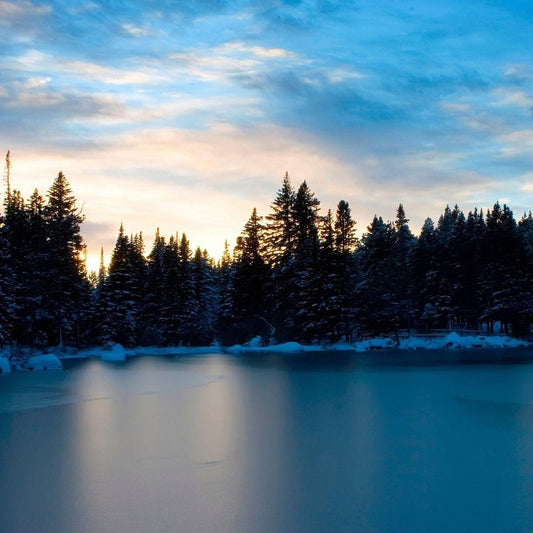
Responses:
[186,114]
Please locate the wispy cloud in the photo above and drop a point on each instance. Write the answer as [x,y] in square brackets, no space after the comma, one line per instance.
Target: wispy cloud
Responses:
[135,31]
[36,61]
[21,10]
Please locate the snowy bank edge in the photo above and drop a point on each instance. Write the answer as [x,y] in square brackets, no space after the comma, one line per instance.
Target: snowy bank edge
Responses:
[451,341]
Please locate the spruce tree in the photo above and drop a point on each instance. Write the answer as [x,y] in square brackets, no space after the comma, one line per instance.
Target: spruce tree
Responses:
[303,302]
[249,284]
[401,258]
[7,288]
[504,283]
[122,293]
[376,286]
[66,285]
[152,331]
[205,296]
[345,272]
[225,316]
[280,232]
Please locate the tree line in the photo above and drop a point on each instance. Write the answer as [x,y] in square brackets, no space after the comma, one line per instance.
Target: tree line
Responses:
[293,275]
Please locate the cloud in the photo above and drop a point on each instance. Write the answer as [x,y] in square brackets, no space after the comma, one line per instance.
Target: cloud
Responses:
[135,31]
[517,143]
[510,97]
[21,9]
[37,61]
[224,62]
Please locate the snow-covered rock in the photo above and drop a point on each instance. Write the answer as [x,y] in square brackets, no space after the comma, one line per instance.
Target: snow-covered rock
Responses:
[379,343]
[288,347]
[256,342]
[44,362]
[115,353]
[5,367]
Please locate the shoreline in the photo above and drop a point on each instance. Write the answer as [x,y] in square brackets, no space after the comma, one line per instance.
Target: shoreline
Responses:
[381,351]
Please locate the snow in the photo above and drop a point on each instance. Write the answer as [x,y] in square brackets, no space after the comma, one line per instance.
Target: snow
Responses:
[455,341]
[114,353]
[5,367]
[288,347]
[44,362]
[380,343]
[451,341]
[256,342]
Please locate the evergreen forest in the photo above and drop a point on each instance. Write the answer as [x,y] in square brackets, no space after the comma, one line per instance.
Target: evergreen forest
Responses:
[295,274]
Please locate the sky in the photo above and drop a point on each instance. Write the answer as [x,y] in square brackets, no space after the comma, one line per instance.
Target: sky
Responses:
[185,115]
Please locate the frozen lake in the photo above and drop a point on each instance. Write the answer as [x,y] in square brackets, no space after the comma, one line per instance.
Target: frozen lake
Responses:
[226,444]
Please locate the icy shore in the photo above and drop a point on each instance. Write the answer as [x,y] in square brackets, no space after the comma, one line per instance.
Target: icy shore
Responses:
[116,353]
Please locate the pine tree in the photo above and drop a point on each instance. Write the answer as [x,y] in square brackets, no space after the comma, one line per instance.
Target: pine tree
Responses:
[304,294]
[401,257]
[279,252]
[250,277]
[205,296]
[504,283]
[172,315]
[7,287]
[376,286]
[280,232]
[66,286]
[152,332]
[122,293]
[345,269]
[225,317]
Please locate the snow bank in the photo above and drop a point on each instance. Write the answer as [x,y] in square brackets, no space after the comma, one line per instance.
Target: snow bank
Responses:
[287,347]
[256,342]
[455,341]
[44,362]
[5,367]
[236,349]
[290,347]
[115,353]
[379,343]
[450,341]
[414,342]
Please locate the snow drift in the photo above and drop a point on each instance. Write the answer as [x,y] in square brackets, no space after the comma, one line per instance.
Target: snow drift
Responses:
[44,362]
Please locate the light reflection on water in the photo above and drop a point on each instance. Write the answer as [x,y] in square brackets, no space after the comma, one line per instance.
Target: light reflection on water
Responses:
[218,443]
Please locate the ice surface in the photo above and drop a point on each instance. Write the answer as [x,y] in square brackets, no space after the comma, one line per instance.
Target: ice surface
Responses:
[167,444]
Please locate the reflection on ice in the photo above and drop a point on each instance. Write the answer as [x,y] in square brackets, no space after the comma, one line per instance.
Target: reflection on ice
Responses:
[96,382]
